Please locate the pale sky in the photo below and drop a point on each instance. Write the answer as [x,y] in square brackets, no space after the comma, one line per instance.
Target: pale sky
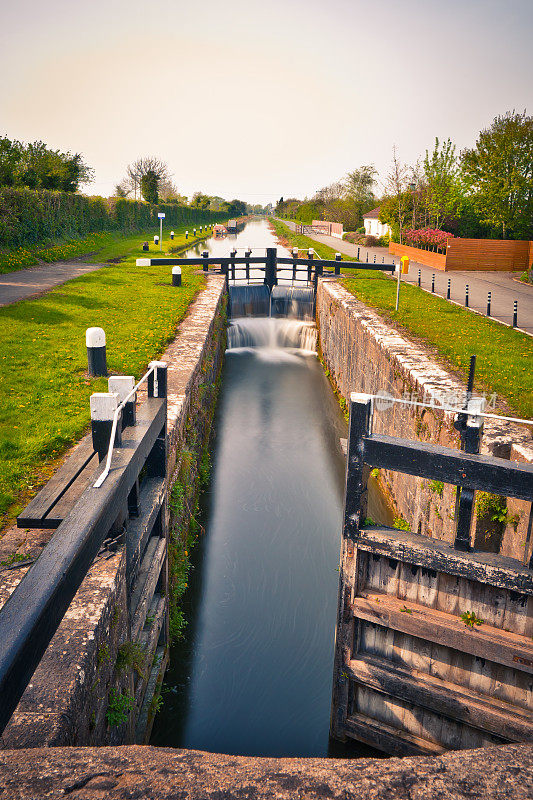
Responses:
[259,99]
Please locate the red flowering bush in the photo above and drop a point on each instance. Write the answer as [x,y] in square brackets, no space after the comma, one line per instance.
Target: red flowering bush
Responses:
[428,239]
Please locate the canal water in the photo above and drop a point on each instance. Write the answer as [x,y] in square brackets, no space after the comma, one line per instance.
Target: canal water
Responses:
[253,674]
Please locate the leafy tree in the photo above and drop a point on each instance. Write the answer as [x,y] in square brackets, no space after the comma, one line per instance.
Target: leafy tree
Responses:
[202,201]
[499,170]
[359,189]
[36,166]
[442,184]
[10,153]
[149,185]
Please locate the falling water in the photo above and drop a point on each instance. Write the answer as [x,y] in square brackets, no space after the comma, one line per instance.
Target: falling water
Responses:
[272,333]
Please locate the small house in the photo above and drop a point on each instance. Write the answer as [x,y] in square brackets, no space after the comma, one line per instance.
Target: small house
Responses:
[373,227]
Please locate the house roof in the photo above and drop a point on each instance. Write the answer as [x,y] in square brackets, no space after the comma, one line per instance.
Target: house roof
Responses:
[374,214]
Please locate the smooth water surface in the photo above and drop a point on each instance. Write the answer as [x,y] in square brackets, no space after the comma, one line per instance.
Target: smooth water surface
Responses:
[255,675]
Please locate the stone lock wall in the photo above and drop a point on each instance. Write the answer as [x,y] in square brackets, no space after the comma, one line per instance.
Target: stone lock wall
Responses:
[365,354]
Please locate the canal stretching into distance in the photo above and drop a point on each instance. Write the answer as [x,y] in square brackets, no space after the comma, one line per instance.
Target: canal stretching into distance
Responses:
[253,673]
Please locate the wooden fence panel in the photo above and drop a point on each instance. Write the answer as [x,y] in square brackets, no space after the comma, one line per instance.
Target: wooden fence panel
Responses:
[473,254]
[487,254]
[435,260]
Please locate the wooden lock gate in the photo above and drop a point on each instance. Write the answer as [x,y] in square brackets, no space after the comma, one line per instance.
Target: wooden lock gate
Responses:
[410,676]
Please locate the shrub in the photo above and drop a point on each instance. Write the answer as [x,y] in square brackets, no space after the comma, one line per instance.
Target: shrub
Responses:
[371,241]
[428,239]
[29,216]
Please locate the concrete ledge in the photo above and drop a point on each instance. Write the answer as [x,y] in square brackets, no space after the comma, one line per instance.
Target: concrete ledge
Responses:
[149,772]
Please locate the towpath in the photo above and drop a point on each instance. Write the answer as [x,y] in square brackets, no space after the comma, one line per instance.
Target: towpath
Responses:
[35,281]
[505,289]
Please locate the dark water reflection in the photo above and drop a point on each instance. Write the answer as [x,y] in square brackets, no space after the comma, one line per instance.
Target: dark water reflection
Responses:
[255,675]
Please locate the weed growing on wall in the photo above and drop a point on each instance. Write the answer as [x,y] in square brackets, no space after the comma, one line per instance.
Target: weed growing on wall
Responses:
[191,477]
[119,707]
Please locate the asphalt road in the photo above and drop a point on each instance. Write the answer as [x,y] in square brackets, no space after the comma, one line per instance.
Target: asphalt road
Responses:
[505,289]
[32,282]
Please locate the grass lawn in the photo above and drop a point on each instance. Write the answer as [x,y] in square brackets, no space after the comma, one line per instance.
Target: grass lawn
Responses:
[504,356]
[101,246]
[44,389]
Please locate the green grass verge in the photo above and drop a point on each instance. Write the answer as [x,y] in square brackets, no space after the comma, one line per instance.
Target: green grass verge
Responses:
[44,389]
[504,355]
[98,247]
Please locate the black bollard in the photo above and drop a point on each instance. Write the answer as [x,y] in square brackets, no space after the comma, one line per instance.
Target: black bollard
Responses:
[171,234]
[466,296]
[294,262]
[449,290]
[310,255]
[338,258]
[515,313]
[433,283]
[103,406]
[205,255]
[96,352]
[176,276]
[420,277]
[489,301]
[146,246]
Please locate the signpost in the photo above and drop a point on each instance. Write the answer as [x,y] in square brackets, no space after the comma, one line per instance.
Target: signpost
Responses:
[161,218]
[403,266]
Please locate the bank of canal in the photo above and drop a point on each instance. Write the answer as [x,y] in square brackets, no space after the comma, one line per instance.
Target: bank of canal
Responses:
[252,675]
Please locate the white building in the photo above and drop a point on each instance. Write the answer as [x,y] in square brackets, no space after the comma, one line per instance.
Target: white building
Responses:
[373,227]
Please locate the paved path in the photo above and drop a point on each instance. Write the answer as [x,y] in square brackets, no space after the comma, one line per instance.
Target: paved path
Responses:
[35,281]
[505,290]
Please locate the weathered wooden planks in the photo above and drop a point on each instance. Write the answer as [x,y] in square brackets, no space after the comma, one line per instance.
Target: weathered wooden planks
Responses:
[497,475]
[419,551]
[442,697]
[50,506]
[414,677]
[485,641]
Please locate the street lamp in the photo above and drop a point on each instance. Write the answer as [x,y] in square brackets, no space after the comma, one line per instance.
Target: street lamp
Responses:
[161,218]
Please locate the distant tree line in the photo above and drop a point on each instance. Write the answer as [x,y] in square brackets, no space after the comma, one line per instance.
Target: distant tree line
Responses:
[149,178]
[482,192]
[40,199]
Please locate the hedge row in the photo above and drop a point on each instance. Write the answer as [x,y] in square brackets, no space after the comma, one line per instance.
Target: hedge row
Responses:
[29,216]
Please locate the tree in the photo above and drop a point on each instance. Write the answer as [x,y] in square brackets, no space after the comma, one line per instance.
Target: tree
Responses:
[359,190]
[36,166]
[145,166]
[149,186]
[10,154]
[397,185]
[499,170]
[168,193]
[200,200]
[443,190]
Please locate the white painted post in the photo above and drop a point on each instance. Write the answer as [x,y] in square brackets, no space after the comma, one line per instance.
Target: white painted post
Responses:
[122,385]
[161,216]
[398,285]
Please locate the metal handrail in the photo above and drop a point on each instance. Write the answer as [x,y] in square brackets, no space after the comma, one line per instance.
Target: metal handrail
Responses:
[118,409]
